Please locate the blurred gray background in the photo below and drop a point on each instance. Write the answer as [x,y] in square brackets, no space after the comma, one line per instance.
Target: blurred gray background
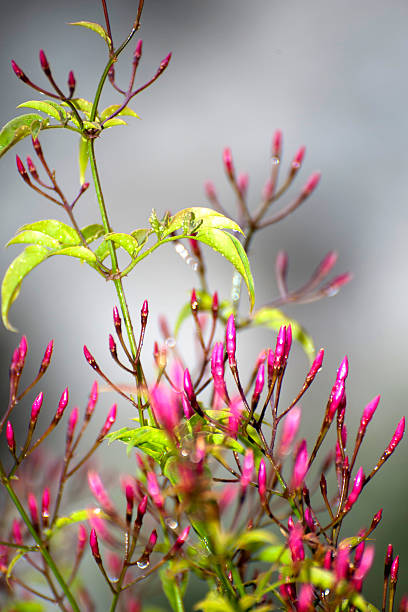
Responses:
[332,76]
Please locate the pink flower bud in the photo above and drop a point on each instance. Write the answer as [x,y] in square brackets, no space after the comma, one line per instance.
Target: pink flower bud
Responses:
[242,183]
[44,62]
[280,347]
[72,421]
[376,519]
[305,599]
[230,340]
[308,516]
[47,357]
[141,509]
[365,564]
[209,189]
[297,160]
[129,499]
[327,560]
[356,490]
[270,361]
[394,570]
[90,358]
[235,416]
[397,437]
[110,419]
[163,64]
[99,492]
[33,509]
[180,540]
[328,262]
[62,404]
[288,342]
[214,304]
[165,407]
[16,532]
[262,481]
[22,170]
[187,408]
[152,541]
[336,284]
[342,372]
[18,72]
[117,321]
[277,143]
[290,428]
[194,301]
[388,561]
[295,543]
[11,443]
[259,382]
[93,398]
[188,386]
[311,184]
[138,50]
[228,163]
[45,505]
[341,564]
[71,82]
[154,490]
[247,469]
[301,466]
[368,414]
[144,313]
[217,368]
[281,264]
[82,538]
[335,400]
[93,542]
[112,346]
[36,407]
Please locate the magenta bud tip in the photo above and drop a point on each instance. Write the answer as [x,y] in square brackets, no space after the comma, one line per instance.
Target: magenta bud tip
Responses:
[84,187]
[62,404]
[116,318]
[183,536]
[277,143]
[72,421]
[188,385]
[262,480]
[311,184]
[227,159]
[45,503]
[230,336]
[33,508]
[43,61]
[10,437]
[327,263]
[214,304]
[17,70]
[394,569]
[129,494]
[193,300]
[89,357]
[142,506]
[317,364]
[93,542]
[36,407]
[342,372]
[112,344]
[298,159]
[20,166]
[357,487]
[110,419]
[209,189]
[71,80]
[145,310]
[138,50]
[47,355]
[243,182]
[398,435]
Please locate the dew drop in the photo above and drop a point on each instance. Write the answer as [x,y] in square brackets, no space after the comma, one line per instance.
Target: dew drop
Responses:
[194,266]
[170,342]
[332,292]
[184,452]
[275,161]
[143,564]
[171,523]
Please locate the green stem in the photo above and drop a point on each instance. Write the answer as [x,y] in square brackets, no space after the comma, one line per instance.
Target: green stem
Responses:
[46,555]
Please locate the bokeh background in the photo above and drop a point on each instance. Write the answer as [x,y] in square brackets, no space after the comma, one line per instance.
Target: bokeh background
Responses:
[332,76]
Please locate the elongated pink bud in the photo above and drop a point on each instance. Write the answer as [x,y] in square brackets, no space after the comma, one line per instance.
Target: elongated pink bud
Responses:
[44,62]
[301,466]
[342,372]
[242,183]
[47,357]
[180,540]
[130,498]
[138,51]
[327,560]
[194,301]
[112,346]
[235,416]
[163,64]
[280,347]
[305,599]
[99,492]
[45,507]
[270,361]
[288,342]
[295,543]
[228,163]
[110,419]
[93,542]
[327,264]
[117,321]
[376,519]
[281,264]
[62,404]
[277,143]
[262,481]
[308,516]
[90,359]
[93,398]
[247,469]
[298,159]
[72,421]
[36,407]
[259,382]
[359,550]
[311,184]
[144,313]
[341,564]
[230,340]
[291,425]
[16,532]
[356,490]
[11,442]
[141,509]
[217,369]
[82,538]
[397,437]
[22,171]
[388,561]
[188,385]
[209,189]
[33,509]
[18,72]
[335,400]
[71,83]
[394,570]
[368,415]
[154,490]
[365,564]
[336,284]
[187,407]
[165,407]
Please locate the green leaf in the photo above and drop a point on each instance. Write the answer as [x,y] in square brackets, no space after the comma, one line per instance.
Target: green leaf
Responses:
[83,158]
[254,536]
[109,110]
[24,606]
[19,554]
[80,252]
[95,27]
[273,318]
[141,235]
[150,440]
[93,232]
[16,272]
[204,218]
[65,234]
[64,521]
[126,241]
[81,104]
[17,129]
[49,107]
[214,602]
[113,122]
[35,237]
[173,590]
[275,554]
[102,251]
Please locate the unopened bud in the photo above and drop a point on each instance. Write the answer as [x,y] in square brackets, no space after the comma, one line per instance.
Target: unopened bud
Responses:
[311,184]
[394,570]
[247,469]
[112,347]
[99,491]
[242,183]
[163,64]
[18,72]
[357,487]
[301,466]
[33,509]
[22,170]
[117,320]
[262,481]
[16,532]
[316,365]
[209,189]
[110,419]
[90,359]
[35,409]
[228,163]
[230,341]
[71,83]
[194,302]
[144,313]
[368,414]
[11,443]
[47,357]
[82,537]
[138,51]
[342,372]
[93,398]
[93,542]
[62,404]
[45,506]
[44,63]
[277,143]
[180,540]
[72,421]
[297,160]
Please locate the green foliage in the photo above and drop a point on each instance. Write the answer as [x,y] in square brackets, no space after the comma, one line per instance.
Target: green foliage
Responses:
[95,27]
[174,583]
[152,441]
[18,128]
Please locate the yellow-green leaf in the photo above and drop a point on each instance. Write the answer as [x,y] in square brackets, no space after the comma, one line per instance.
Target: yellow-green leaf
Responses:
[35,237]
[126,241]
[273,318]
[80,252]
[62,232]
[109,110]
[95,27]
[46,106]
[16,272]
[92,232]
[18,128]
[113,122]
[83,158]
